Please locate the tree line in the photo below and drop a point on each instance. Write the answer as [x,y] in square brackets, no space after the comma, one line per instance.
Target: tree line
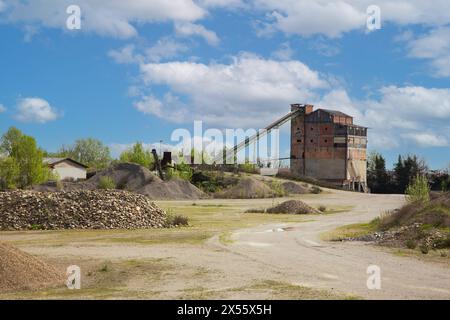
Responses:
[22,160]
[406,170]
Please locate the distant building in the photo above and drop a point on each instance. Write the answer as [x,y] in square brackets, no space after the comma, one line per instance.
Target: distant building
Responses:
[326,145]
[66,168]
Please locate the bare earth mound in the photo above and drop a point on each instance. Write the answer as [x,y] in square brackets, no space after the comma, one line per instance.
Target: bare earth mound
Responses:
[99,209]
[247,188]
[292,207]
[136,178]
[21,271]
[294,188]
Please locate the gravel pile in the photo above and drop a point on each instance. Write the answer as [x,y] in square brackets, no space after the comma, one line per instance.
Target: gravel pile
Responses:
[21,271]
[81,209]
[294,188]
[135,178]
[292,207]
[247,188]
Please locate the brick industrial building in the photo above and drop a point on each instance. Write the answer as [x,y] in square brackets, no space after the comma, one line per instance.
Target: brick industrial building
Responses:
[326,145]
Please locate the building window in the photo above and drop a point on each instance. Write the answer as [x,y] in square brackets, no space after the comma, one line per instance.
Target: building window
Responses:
[312,128]
[326,140]
[299,140]
[312,140]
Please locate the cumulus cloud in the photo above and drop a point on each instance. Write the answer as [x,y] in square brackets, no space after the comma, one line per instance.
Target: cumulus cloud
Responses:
[115,18]
[190,29]
[165,48]
[413,115]
[125,55]
[35,110]
[333,18]
[434,46]
[2,108]
[424,139]
[250,91]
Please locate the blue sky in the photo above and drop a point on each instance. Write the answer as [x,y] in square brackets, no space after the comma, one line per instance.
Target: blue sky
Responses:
[137,70]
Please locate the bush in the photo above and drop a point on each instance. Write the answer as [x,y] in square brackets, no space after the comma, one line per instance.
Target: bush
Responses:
[322,208]
[419,190]
[316,190]
[106,183]
[176,220]
[424,248]
[411,244]
[277,188]
[182,171]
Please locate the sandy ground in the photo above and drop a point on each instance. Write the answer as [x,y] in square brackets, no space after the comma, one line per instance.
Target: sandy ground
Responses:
[266,254]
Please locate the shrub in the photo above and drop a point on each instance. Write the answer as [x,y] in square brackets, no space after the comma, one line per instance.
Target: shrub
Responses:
[106,183]
[411,244]
[322,208]
[176,220]
[316,190]
[418,190]
[277,188]
[182,171]
[424,248]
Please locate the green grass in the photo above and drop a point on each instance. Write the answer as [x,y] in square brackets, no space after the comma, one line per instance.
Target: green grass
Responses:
[205,219]
[349,231]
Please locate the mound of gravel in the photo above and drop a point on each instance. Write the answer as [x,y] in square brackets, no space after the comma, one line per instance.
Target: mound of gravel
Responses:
[247,188]
[127,176]
[292,207]
[21,271]
[294,188]
[82,209]
[138,179]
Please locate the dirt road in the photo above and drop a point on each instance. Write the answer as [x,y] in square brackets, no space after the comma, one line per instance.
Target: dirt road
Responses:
[229,266]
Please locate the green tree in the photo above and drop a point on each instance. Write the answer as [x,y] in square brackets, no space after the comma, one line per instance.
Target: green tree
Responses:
[91,152]
[406,169]
[9,173]
[418,190]
[10,138]
[378,179]
[137,154]
[29,159]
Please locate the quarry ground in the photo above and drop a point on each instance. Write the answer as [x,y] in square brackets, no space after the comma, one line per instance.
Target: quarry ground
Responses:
[229,254]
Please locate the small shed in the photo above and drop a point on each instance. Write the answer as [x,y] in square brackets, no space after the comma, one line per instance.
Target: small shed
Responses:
[67,168]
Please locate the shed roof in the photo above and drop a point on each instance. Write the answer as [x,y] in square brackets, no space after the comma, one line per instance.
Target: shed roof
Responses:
[53,161]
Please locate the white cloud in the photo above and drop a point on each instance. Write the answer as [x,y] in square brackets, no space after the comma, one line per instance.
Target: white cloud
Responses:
[434,46]
[35,110]
[250,91]
[109,18]
[285,52]
[165,48]
[190,29]
[333,18]
[424,139]
[228,4]
[2,108]
[125,55]
[413,115]
[2,6]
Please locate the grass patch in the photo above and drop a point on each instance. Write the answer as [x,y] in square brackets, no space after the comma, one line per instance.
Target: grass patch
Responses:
[350,231]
